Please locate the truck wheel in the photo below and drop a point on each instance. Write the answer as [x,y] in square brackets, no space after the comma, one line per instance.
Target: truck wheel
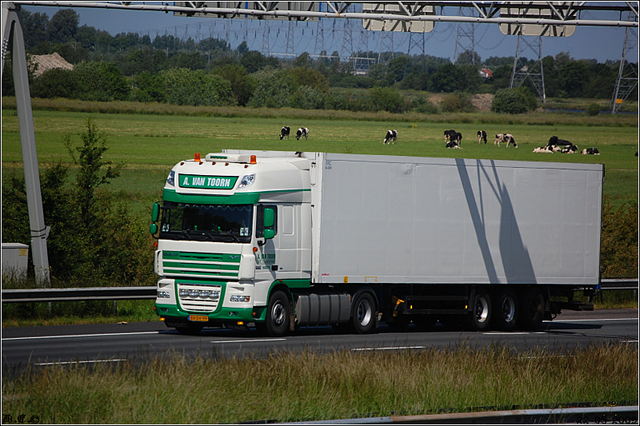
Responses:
[480,314]
[531,310]
[190,329]
[424,321]
[363,320]
[505,309]
[278,315]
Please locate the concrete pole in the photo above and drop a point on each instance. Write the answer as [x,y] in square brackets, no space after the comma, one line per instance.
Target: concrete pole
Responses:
[39,231]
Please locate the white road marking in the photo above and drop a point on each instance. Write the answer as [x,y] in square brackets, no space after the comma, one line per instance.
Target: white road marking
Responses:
[64,336]
[220,342]
[389,348]
[79,362]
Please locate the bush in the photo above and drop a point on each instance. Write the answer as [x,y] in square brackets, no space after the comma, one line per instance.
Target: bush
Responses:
[387,99]
[55,83]
[593,109]
[186,87]
[100,81]
[457,102]
[619,246]
[94,240]
[512,101]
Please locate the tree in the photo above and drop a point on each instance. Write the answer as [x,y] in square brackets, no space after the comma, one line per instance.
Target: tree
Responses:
[101,81]
[253,61]
[511,101]
[91,174]
[469,57]
[242,84]
[242,48]
[186,87]
[448,78]
[387,99]
[34,27]
[55,83]
[63,26]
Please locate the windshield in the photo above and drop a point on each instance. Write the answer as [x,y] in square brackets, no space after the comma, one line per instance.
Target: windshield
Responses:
[202,222]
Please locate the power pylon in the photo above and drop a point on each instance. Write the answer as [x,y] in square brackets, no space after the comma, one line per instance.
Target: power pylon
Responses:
[521,71]
[465,36]
[627,79]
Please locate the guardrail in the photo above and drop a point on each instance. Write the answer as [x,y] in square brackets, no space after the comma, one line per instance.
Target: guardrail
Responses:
[149,292]
[579,415]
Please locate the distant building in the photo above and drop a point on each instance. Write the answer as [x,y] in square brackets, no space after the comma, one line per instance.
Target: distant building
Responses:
[485,73]
[48,62]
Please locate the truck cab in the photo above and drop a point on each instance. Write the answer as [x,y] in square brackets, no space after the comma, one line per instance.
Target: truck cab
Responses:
[232,228]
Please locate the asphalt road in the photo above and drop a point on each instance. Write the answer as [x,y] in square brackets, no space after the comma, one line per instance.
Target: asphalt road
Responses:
[110,343]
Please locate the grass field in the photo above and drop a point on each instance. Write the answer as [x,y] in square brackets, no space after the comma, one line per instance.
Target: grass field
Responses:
[151,144]
[308,386]
[284,386]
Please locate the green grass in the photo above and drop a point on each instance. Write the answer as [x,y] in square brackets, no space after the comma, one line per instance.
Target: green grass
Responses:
[301,386]
[151,144]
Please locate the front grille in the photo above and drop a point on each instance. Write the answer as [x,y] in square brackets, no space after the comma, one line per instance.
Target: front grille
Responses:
[213,265]
[199,297]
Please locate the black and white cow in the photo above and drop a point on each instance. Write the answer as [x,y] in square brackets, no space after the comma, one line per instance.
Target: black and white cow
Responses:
[554,141]
[505,137]
[285,131]
[592,151]
[569,149]
[391,137]
[452,135]
[482,136]
[453,145]
[302,131]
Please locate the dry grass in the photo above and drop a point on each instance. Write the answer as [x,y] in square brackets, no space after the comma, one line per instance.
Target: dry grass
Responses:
[310,386]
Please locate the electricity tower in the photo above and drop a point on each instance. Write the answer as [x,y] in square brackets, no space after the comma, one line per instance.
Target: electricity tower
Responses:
[522,71]
[627,79]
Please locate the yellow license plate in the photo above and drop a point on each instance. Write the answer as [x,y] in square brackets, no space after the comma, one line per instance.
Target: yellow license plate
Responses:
[198,318]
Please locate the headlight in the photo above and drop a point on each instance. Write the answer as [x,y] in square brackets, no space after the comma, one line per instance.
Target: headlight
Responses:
[163,294]
[247,181]
[171,178]
[241,299]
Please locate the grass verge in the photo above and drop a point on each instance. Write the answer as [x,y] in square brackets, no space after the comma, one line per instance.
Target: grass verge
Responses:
[306,385]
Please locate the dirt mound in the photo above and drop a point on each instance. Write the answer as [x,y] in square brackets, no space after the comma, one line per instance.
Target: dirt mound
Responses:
[48,62]
[483,101]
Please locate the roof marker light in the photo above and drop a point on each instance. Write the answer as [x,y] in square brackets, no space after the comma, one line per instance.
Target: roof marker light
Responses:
[253,160]
[196,157]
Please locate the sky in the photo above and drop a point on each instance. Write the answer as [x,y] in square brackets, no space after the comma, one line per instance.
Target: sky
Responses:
[599,43]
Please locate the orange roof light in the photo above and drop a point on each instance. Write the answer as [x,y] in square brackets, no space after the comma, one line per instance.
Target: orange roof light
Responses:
[196,157]
[253,159]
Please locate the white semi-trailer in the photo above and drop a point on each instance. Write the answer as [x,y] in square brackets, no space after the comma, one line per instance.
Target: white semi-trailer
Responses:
[282,239]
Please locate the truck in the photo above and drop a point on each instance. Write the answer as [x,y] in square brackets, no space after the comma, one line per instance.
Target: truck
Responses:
[281,240]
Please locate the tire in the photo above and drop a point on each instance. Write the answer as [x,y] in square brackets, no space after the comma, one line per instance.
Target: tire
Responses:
[531,310]
[363,320]
[190,329]
[505,309]
[278,314]
[424,322]
[480,315]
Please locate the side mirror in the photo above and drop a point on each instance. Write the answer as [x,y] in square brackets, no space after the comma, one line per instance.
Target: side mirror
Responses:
[269,216]
[269,233]
[153,228]
[155,212]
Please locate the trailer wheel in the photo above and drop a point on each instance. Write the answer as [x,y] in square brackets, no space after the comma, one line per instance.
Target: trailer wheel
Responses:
[505,309]
[480,314]
[363,320]
[278,314]
[531,310]
[190,329]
